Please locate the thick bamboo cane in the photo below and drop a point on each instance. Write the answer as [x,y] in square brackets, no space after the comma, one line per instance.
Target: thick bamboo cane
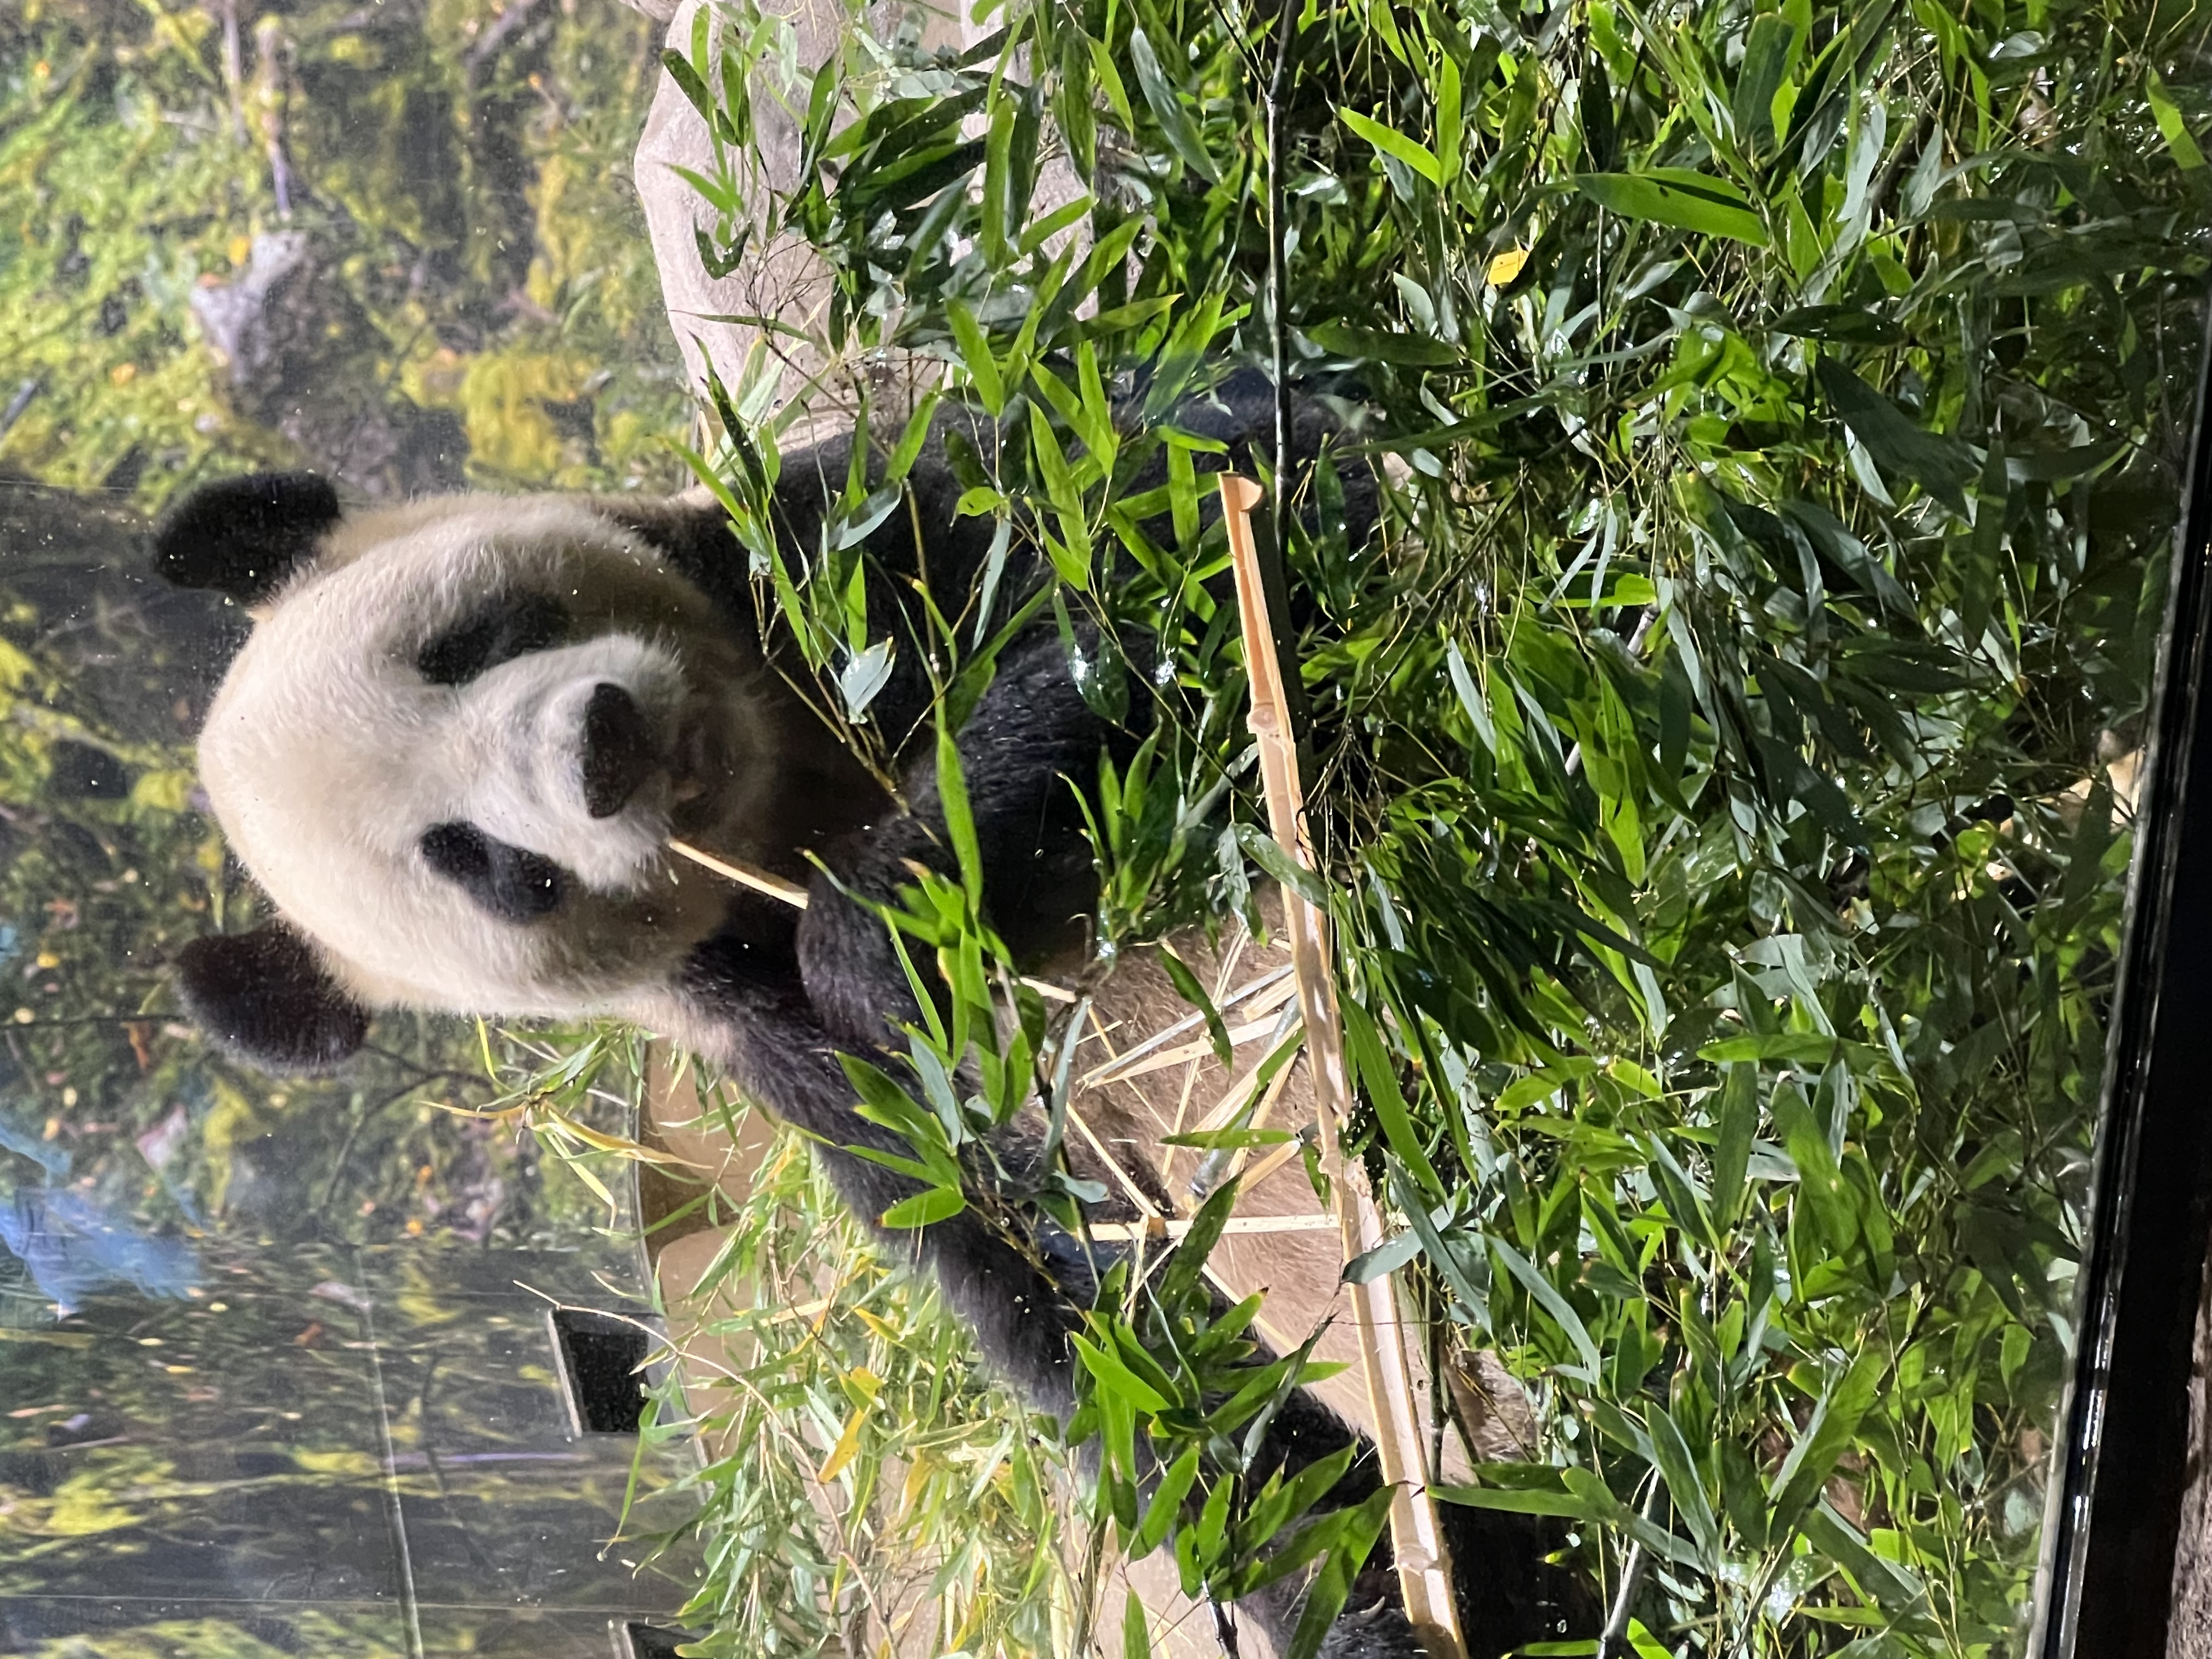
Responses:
[1416,1538]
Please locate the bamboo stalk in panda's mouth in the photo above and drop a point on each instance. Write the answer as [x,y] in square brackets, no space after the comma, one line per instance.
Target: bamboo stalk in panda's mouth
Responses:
[745,875]
[1424,1567]
[791,893]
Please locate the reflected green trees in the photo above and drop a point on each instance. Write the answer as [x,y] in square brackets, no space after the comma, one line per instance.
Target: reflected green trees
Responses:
[397,241]
[394,243]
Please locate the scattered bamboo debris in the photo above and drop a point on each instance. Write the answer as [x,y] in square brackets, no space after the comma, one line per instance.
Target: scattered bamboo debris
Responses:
[1262,996]
[1416,1539]
[1226,1110]
[1146,1207]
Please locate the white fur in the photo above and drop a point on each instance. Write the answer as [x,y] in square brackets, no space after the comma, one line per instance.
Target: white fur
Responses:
[326,755]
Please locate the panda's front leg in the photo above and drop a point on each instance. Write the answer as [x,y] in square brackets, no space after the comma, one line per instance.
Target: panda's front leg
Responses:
[1028,737]
[1031,743]
[768,1035]
[779,1052]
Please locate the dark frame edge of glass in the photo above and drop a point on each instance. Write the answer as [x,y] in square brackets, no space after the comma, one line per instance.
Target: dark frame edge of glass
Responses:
[2112,1523]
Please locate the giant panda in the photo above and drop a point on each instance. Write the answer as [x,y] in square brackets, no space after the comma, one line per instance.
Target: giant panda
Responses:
[461,732]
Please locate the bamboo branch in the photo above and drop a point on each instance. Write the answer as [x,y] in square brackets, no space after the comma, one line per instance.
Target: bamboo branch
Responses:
[1416,1538]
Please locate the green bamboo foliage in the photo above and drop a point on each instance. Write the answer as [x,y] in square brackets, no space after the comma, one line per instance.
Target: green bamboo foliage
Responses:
[861,1478]
[1724,765]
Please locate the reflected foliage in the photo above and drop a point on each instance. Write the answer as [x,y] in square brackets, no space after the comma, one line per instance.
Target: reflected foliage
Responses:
[394,243]
[397,242]
[259,1338]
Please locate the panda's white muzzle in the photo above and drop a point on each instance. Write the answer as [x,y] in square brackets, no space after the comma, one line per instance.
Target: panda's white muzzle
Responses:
[567,752]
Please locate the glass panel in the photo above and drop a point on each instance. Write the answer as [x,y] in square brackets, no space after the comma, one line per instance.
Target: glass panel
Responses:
[274,1370]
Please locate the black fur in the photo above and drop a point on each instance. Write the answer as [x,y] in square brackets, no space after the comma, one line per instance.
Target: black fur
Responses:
[242,536]
[507,626]
[263,996]
[508,882]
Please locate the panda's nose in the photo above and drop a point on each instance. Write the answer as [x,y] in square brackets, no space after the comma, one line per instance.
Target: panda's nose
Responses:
[617,749]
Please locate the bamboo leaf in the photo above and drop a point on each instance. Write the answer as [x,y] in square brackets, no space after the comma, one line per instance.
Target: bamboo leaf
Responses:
[1371,1062]
[1557,1306]
[1677,196]
[923,1210]
[1390,141]
[1940,466]
[1352,1536]
[976,356]
[1175,125]
[2187,155]
[1345,340]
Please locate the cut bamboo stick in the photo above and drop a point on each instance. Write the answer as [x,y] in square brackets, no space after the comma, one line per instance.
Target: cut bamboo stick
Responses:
[1225,1164]
[1217,1166]
[1416,1538]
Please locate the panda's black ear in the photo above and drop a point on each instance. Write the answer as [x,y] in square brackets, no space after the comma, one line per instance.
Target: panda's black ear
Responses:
[264,997]
[693,536]
[244,536]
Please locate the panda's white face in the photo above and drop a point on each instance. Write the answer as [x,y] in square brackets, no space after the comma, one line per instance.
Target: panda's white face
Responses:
[454,748]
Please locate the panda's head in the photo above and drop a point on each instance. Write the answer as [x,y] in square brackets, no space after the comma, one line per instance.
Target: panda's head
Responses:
[451,753]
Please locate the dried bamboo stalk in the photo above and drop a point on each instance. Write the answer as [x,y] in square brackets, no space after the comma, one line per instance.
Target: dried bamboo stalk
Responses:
[1217,1165]
[1416,1538]
[1278,1158]
[1137,1194]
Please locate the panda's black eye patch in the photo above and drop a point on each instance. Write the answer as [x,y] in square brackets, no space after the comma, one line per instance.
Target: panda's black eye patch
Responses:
[512,626]
[512,885]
